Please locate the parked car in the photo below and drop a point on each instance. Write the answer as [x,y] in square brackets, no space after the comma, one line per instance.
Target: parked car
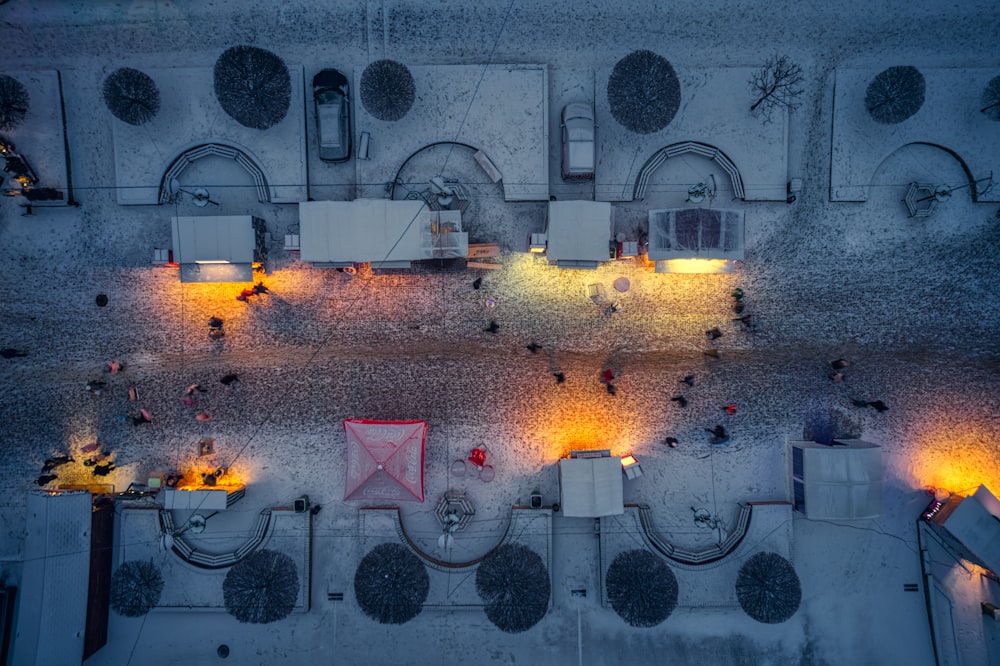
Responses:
[578,141]
[331,94]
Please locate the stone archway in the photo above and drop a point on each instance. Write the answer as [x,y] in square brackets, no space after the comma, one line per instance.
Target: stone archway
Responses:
[684,147]
[187,157]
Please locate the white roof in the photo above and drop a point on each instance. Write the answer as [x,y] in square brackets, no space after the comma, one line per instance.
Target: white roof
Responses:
[213,238]
[696,233]
[975,522]
[591,487]
[53,596]
[579,231]
[364,230]
[841,482]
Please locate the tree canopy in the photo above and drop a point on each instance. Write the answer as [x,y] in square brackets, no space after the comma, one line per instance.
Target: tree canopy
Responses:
[895,94]
[387,89]
[131,96]
[514,584]
[261,587]
[391,584]
[768,588]
[13,102]
[642,588]
[644,92]
[136,588]
[253,86]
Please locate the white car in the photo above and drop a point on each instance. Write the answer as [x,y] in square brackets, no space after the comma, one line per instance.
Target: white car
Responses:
[333,115]
[578,155]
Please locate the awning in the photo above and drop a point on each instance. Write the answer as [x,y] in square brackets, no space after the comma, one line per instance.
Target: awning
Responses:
[214,248]
[385,460]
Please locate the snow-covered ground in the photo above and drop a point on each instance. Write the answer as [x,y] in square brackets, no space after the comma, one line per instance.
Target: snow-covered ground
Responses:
[910,302]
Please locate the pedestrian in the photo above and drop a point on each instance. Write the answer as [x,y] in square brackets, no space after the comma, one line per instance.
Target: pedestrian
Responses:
[477,283]
[202,416]
[859,403]
[103,470]
[739,307]
[259,289]
[534,347]
[245,294]
[839,364]
[208,479]
[114,367]
[315,509]
[143,417]
[55,461]
[671,442]
[189,401]
[878,405]
[89,448]
[95,386]
[229,379]
[11,353]
[713,333]
[719,434]
[612,389]
[714,353]
[607,375]
[730,409]
[216,334]
[680,400]
[493,327]
[745,320]
[214,322]
[190,390]
[837,377]
[560,377]
[689,380]
[737,294]
[46,479]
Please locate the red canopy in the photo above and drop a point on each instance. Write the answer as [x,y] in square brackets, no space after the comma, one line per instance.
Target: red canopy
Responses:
[385,460]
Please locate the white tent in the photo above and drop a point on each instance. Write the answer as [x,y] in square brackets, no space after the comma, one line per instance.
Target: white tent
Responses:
[975,522]
[695,233]
[591,487]
[215,248]
[579,233]
[390,234]
[838,482]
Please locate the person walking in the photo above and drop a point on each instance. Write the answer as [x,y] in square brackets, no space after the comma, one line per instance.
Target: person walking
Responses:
[689,380]
[103,470]
[680,400]
[671,442]
[55,461]
[493,327]
[839,364]
[713,333]
[46,479]
[878,405]
[560,377]
[719,434]
[12,353]
[229,379]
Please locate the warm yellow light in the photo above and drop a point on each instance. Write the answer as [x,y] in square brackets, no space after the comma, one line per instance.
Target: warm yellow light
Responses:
[537,249]
[628,461]
[709,266]
[212,261]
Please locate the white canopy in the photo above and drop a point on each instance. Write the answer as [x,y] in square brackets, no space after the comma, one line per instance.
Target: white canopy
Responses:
[579,233]
[975,523]
[380,231]
[591,487]
[696,233]
[839,482]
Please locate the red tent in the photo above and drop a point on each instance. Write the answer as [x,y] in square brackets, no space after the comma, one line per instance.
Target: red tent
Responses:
[385,460]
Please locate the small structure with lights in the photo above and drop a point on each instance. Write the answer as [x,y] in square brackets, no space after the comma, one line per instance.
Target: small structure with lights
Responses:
[590,484]
[222,248]
[578,234]
[387,234]
[696,240]
[971,525]
[842,481]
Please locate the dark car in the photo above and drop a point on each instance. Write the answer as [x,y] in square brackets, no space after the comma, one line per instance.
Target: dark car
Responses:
[331,94]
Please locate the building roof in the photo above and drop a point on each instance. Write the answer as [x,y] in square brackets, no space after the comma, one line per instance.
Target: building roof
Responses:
[579,231]
[695,233]
[591,487]
[385,460]
[840,482]
[214,248]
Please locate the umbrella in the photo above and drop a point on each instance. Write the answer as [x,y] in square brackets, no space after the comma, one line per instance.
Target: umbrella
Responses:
[768,588]
[253,86]
[644,92]
[136,588]
[391,584]
[13,102]
[513,582]
[261,587]
[387,89]
[895,94]
[131,96]
[642,588]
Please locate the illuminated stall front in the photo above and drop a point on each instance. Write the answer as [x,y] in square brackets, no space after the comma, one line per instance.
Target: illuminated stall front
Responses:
[222,248]
[696,240]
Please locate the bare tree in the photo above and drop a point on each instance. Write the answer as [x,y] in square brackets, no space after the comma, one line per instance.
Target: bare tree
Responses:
[136,588]
[391,584]
[514,583]
[13,102]
[253,86]
[642,588]
[644,92]
[991,99]
[768,588]
[775,86]
[261,587]
[895,94]
[131,96]
[387,89]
